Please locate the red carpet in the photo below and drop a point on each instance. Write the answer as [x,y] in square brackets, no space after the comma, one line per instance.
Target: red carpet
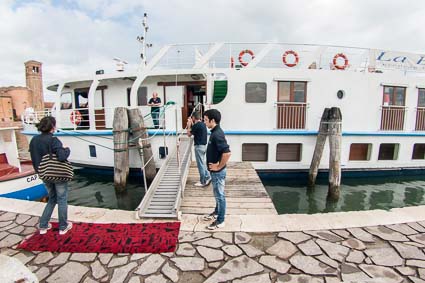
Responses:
[107,238]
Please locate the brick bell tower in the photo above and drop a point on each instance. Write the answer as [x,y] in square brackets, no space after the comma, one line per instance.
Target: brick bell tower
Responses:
[34,81]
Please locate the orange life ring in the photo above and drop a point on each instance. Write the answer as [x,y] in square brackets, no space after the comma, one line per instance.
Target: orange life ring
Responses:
[343,56]
[243,52]
[295,54]
[232,62]
[76,117]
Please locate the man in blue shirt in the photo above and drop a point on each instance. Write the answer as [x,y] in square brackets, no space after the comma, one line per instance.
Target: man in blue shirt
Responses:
[155,103]
[198,130]
[218,153]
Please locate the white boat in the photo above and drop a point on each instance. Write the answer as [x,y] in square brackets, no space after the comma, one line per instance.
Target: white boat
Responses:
[271,97]
[17,179]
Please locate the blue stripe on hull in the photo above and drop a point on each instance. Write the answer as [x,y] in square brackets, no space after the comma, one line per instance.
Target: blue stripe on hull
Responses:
[247,133]
[33,193]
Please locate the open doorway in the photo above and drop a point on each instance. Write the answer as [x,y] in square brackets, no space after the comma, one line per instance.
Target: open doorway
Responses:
[194,94]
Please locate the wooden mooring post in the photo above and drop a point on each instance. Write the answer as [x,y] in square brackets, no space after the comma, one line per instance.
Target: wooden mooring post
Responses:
[335,134]
[330,125]
[120,132]
[318,150]
[138,129]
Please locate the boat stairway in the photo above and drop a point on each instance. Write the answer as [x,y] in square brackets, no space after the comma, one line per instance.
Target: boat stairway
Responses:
[163,198]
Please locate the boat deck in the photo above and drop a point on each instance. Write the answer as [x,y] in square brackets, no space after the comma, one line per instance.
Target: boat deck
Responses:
[245,194]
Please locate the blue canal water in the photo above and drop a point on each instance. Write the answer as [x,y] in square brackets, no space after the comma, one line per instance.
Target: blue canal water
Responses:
[289,195]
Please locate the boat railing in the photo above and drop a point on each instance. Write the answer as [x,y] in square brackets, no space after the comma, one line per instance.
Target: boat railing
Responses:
[420,119]
[285,55]
[393,117]
[291,115]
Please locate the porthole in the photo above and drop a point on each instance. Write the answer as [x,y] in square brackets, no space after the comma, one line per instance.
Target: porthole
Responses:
[340,94]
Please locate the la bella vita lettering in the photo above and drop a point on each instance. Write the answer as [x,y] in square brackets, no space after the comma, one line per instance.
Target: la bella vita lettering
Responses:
[398,59]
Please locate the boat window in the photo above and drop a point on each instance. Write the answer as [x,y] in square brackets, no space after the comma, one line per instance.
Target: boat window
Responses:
[92,150]
[418,151]
[255,151]
[288,152]
[360,151]
[66,100]
[394,96]
[421,97]
[292,91]
[220,91]
[142,96]
[388,151]
[255,92]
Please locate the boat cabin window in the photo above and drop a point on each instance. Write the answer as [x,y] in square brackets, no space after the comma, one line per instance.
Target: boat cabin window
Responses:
[255,151]
[394,96]
[388,151]
[142,96]
[360,151]
[288,152]
[421,97]
[292,91]
[418,151]
[256,92]
[66,100]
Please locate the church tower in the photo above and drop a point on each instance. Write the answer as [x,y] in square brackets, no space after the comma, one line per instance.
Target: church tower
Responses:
[34,81]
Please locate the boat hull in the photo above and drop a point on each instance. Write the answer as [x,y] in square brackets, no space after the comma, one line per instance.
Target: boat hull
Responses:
[28,187]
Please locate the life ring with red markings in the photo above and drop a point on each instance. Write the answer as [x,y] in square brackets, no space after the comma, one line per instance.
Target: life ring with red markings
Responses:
[293,53]
[76,117]
[242,53]
[343,56]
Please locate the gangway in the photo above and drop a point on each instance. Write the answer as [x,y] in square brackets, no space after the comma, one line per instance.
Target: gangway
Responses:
[163,198]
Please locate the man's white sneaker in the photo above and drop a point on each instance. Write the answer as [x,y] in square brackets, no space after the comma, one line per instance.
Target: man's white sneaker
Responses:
[199,184]
[215,225]
[208,182]
[44,230]
[64,231]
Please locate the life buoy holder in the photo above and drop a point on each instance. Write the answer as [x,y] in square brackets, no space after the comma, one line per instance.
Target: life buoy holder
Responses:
[75,117]
[243,52]
[290,52]
[343,56]
[232,62]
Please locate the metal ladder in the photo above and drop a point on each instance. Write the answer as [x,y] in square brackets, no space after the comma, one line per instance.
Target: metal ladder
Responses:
[164,195]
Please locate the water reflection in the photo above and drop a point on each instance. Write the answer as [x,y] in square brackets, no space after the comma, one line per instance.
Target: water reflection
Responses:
[356,194]
[95,190]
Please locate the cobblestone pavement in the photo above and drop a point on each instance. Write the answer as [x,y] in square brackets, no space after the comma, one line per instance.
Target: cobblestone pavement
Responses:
[392,253]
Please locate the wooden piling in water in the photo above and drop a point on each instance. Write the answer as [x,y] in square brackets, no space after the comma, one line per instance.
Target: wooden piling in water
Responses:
[120,132]
[318,150]
[335,134]
[138,129]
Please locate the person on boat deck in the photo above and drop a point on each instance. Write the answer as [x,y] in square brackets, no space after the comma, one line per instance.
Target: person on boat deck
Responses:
[41,145]
[155,103]
[197,129]
[218,153]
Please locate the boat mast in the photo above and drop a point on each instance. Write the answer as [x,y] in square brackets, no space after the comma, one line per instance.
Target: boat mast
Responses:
[142,40]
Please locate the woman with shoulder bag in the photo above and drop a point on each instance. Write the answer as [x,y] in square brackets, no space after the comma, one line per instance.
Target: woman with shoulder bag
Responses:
[41,147]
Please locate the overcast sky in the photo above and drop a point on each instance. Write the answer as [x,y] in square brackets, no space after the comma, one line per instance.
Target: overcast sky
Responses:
[73,37]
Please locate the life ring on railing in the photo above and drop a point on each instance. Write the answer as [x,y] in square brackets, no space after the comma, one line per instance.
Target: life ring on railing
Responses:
[75,117]
[295,54]
[232,62]
[243,52]
[343,56]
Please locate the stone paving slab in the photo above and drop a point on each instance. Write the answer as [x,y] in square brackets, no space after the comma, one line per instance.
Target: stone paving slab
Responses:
[393,252]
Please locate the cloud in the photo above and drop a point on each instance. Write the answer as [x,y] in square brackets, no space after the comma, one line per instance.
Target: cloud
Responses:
[74,37]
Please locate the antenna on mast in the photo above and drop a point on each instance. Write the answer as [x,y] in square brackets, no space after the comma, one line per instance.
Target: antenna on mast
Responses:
[142,39]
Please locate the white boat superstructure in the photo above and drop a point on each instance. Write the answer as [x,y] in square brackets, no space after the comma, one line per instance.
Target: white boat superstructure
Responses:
[271,96]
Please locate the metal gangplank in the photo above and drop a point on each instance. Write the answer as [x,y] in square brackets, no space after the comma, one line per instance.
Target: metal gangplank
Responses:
[163,198]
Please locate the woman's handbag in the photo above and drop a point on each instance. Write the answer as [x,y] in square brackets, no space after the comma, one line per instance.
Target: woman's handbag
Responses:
[52,170]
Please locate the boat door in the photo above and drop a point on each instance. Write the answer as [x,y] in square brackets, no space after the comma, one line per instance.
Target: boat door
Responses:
[194,94]
[175,94]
